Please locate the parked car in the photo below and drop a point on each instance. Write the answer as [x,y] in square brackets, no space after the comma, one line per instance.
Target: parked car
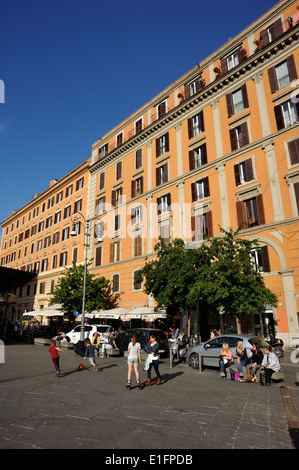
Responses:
[211,349]
[74,335]
[123,339]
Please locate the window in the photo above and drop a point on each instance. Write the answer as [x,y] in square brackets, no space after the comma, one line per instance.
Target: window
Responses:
[239,136]
[67,212]
[35,212]
[39,245]
[28,290]
[138,159]
[232,60]
[198,157]
[137,187]
[115,283]
[55,238]
[57,217]
[98,256]
[52,286]
[195,125]
[44,266]
[164,204]
[272,32]
[286,114]
[63,258]
[165,230]
[69,191]
[193,88]
[296,191]
[137,215]
[137,245]
[41,226]
[36,267]
[260,259]
[59,197]
[282,74]
[293,148]
[119,139]
[118,171]
[243,172]
[200,189]
[47,241]
[115,251]
[162,174]
[50,202]
[49,222]
[162,145]
[201,225]
[116,197]
[102,181]
[117,222]
[42,288]
[80,183]
[75,255]
[100,206]
[136,285]
[78,206]
[138,126]
[250,212]
[103,151]
[237,101]
[65,233]
[161,109]
[54,262]
[33,230]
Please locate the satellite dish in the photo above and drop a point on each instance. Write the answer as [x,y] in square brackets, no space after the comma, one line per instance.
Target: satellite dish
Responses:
[295,356]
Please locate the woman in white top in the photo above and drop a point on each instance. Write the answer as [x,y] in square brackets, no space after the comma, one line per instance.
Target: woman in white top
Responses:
[133,360]
[270,364]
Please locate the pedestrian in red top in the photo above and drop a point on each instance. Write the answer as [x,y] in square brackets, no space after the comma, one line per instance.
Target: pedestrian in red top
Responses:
[53,350]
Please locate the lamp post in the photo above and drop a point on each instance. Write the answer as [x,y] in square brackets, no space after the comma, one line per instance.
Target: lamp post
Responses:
[86,246]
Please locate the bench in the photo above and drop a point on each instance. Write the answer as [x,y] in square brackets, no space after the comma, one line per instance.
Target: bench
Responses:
[42,341]
[112,352]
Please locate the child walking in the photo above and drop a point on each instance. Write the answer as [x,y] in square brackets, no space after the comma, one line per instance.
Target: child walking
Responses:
[90,353]
[53,350]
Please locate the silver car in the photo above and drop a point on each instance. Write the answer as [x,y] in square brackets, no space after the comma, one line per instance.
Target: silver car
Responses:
[211,349]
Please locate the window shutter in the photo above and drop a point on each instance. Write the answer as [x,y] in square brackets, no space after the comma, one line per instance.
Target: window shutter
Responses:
[169,201]
[102,180]
[260,209]
[118,170]
[158,150]
[273,79]
[266,261]
[244,96]
[296,190]
[244,134]
[240,214]
[165,166]
[264,38]
[204,154]
[237,174]
[206,187]
[158,176]
[98,256]
[233,139]
[193,234]
[193,192]
[279,117]
[229,104]
[292,68]
[278,29]
[294,151]
[159,205]
[133,214]
[202,122]
[133,188]
[249,170]
[138,158]
[141,184]
[210,224]
[111,253]
[224,67]
[113,198]
[187,91]
[167,141]
[118,250]
[190,128]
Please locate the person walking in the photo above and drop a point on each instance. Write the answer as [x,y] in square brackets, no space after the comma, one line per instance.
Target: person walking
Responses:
[53,350]
[134,359]
[153,349]
[90,353]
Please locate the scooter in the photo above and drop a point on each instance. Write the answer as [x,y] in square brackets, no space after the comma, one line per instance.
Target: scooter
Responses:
[179,347]
[277,344]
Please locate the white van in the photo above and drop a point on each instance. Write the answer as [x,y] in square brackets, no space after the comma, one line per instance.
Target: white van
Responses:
[74,335]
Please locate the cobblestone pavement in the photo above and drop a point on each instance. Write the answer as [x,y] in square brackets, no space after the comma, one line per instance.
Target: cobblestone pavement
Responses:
[93,410]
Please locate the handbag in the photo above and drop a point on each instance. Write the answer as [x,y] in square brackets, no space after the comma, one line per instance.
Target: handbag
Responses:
[147,362]
[234,375]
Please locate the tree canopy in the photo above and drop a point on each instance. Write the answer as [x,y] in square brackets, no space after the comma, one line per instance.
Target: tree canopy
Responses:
[69,290]
[219,273]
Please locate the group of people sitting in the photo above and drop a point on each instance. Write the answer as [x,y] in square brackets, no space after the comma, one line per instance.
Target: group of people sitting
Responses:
[266,363]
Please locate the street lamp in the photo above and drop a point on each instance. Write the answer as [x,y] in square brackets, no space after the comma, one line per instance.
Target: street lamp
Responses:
[86,246]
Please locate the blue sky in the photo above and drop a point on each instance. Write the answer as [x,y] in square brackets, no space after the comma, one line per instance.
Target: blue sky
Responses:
[73,69]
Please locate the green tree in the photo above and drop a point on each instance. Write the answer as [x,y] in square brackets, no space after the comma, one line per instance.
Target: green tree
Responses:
[69,291]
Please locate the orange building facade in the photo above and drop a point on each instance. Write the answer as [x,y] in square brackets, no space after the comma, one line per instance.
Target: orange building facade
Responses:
[220,146]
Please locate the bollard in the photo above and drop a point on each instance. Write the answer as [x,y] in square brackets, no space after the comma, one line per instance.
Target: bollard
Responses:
[199,361]
[170,358]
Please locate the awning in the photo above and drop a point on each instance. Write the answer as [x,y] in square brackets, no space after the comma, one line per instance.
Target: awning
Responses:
[113,313]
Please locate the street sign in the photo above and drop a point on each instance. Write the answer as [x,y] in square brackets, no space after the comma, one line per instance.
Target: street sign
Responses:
[76,313]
